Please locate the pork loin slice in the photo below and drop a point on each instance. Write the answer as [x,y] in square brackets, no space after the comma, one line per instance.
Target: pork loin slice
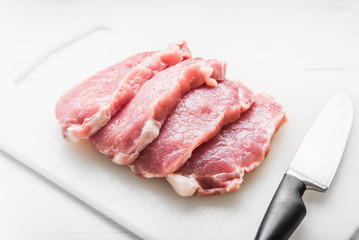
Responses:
[217,166]
[198,117]
[138,123]
[88,106]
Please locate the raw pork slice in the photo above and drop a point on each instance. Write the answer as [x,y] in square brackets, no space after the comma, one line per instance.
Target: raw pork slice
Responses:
[88,106]
[198,117]
[138,123]
[217,166]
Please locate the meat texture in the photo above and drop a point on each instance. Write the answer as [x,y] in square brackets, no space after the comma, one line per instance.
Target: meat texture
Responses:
[198,117]
[218,166]
[88,106]
[138,123]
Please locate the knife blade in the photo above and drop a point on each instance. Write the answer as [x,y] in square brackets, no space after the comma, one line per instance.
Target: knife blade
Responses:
[312,168]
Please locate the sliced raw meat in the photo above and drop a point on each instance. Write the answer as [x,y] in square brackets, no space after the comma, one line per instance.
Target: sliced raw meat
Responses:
[88,106]
[138,123]
[217,166]
[198,117]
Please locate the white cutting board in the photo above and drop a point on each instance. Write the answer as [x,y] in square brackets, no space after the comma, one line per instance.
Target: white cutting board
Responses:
[261,54]
[150,208]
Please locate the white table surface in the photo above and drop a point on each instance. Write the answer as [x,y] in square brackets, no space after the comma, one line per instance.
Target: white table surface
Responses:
[31,207]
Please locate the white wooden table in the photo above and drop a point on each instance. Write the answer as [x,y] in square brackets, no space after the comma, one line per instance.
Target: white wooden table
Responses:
[31,207]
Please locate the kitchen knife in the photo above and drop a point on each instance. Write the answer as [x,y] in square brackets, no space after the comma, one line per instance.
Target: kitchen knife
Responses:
[313,167]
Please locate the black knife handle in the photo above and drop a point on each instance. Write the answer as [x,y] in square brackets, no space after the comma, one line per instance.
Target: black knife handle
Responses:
[285,212]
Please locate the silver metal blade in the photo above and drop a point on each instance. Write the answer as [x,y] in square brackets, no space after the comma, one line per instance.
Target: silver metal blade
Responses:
[319,155]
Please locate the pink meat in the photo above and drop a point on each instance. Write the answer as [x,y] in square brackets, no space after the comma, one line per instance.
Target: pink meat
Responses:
[198,117]
[88,106]
[138,123]
[217,166]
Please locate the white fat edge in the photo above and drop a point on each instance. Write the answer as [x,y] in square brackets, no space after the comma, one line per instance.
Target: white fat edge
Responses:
[146,175]
[234,183]
[150,131]
[132,167]
[252,166]
[184,186]
[123,158]
[150,175]
[97,121]
[104,152]
[218,175]
[70,132]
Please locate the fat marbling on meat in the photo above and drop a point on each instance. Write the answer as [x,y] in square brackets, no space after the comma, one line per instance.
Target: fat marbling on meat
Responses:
[88,106]
[218,166]
[198,117]
[136,125]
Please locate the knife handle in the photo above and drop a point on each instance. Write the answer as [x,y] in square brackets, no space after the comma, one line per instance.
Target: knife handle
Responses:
[285,212]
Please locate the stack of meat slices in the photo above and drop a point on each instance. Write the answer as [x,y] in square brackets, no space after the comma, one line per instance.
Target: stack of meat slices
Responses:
[166,114]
